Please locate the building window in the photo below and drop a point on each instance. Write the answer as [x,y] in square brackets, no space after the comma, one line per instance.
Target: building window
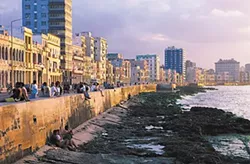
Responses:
[27,6]
[28,23]
[44,23]
[43,31]
[27,15]
[35,7]
[35,16]
[43,15]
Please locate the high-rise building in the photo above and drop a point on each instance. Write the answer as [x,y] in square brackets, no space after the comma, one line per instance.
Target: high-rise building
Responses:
[36,15]
[247,68]
[139,71]
[60,24]
[188,64]
[55,17]
[232,67]
[175,59]
[90,44]
[100,50]
[114,56]
[153,62]
[90,54]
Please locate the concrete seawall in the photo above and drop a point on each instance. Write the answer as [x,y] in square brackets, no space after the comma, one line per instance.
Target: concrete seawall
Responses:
[25,127]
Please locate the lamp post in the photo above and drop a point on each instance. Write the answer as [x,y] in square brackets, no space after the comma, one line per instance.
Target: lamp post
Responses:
[12,68]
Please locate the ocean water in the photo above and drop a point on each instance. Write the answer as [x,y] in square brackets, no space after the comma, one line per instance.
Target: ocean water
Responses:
[235,99]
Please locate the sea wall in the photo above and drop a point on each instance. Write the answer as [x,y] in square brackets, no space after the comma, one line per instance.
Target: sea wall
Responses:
[25,127]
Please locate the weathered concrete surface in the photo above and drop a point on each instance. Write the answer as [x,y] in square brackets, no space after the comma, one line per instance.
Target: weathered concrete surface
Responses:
[84,133]
[24,127]
[52,156]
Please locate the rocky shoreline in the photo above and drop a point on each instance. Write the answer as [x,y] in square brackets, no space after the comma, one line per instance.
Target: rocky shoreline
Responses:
[153,128]
[155,119]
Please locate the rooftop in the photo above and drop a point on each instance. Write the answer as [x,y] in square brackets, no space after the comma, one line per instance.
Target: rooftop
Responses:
[226,61]
[173,48]
[146,55]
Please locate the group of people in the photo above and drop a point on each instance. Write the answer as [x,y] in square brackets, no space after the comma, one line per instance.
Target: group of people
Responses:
[19,93]
[22,92]
[55,89]
[84,88]
[63,139]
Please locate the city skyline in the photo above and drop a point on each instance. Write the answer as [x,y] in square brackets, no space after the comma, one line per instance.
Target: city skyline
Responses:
[212,29]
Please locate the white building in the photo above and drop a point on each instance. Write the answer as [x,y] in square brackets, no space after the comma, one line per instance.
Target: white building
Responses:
[89,52]
[231,66]
[101,48]
[153,62]
[90,44]
[223,77]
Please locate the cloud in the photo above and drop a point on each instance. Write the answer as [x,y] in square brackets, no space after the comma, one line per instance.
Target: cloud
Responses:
[154,37]
[185,16]
[229,13]
[244,30]
[149,26]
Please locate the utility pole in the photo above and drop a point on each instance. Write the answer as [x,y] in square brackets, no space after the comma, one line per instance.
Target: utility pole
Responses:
[11,55]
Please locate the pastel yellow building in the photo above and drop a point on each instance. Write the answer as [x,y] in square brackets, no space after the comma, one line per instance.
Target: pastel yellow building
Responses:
[78,58]
[127,72]
[52,62]
[87,69]
[109,73]
[32,58]
[101,47]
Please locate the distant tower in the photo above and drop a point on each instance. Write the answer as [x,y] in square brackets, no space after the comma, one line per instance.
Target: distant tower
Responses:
[175,60]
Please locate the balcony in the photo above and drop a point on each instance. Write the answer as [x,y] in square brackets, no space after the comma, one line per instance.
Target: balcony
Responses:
[78,71]
[3,62]
[29,65]
[54,70]
[28,46]
[78,58]
[46,48]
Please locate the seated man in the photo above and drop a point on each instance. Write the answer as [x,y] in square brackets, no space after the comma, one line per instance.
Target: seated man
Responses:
[17,94]
[68,135]
[46,90]
[57,140]
[25,95]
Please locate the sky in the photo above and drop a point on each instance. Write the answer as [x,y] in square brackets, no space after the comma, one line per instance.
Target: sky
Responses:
[206,29]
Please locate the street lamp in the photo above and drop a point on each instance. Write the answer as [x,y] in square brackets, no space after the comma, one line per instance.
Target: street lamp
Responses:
[12,69]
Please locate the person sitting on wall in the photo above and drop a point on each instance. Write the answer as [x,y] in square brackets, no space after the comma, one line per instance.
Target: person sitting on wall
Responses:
[99,89]
[59,88]
[85,90]
[93,87]
[46,90]
[17,94]
[25,95]
[53,89]
[42,89]
[66,88]
[34,90]
[80,87]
